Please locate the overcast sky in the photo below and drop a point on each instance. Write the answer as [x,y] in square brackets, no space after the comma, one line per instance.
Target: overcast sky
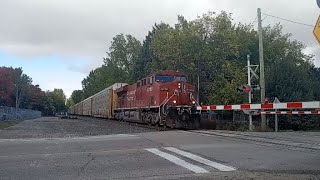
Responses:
[58,42]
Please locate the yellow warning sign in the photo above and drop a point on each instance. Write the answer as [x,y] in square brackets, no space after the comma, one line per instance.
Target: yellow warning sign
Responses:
[316,30]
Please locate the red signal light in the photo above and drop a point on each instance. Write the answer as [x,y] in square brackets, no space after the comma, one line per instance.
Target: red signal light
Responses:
[247,88]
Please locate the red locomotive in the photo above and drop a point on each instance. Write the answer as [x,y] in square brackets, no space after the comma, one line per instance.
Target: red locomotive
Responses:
[163,98]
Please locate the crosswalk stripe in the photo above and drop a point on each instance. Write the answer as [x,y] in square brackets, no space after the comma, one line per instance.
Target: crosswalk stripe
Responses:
[215,165]
[178,161]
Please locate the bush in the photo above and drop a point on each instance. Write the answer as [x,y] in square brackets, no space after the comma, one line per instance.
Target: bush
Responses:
[238,126]
[297,122]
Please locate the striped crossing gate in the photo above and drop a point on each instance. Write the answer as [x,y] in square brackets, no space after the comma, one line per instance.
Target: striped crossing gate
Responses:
[291,107]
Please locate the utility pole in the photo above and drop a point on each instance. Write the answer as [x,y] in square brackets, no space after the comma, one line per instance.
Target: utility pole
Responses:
[262,81]
[249,83]
[17,93]
[198,93]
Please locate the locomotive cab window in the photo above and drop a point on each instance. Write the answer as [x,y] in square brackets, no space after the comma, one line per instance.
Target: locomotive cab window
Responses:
[163,78]
[168,78]
[180,78]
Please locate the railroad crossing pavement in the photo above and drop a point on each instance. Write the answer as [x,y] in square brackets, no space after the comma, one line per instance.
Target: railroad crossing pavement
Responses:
[159,155]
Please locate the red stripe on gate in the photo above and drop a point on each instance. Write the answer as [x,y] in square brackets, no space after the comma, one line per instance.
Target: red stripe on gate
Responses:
[203,107]
[227,107]
[268,112]
[213,107]
[300,112]
[278,112]
[314,112]
[245,106]
[267,106]
[294,105]
[289,112]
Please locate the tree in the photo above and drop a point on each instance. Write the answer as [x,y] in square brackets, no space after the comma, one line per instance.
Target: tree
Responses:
[34,98]
[142,66]
[77,96]
[16,89]
[23,84]
[123,53]
[55,102]
[69,103]
[7,88]
[101,78]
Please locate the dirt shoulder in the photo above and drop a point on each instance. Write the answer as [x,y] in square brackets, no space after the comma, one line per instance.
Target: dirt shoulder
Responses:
[54,127]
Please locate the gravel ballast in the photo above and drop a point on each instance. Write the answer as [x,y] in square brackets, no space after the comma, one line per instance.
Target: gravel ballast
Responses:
[53,127]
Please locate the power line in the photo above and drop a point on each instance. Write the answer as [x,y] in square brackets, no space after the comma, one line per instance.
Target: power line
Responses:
[288,20]
[264,18]
[255,20]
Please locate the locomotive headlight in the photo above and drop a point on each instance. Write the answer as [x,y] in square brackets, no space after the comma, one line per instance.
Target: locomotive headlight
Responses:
[193,102]
[174,101]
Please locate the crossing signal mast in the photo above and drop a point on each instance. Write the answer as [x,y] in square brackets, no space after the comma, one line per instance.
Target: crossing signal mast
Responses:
[248,88]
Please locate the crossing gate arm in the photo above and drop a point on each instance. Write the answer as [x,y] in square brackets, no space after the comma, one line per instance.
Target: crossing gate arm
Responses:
[285,105]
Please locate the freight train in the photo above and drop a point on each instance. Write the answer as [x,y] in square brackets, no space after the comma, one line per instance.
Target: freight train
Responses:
[164,98]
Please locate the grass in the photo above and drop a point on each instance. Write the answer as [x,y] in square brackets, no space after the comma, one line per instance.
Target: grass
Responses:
[5,124]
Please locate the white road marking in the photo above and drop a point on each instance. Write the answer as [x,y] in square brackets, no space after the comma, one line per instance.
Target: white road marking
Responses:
[178,161]
[202,160]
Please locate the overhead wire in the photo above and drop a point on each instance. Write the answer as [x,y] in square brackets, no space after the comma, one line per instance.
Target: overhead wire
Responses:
[284,19]
[255,20]
[264,18]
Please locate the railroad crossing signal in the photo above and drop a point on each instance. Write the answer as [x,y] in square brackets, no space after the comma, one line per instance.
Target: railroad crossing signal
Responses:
[316,30]
[246,88]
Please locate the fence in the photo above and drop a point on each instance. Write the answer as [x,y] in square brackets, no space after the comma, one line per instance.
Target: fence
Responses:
[11,113]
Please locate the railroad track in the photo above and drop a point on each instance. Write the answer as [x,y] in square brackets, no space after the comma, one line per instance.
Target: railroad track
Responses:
[262,140]
[147,126]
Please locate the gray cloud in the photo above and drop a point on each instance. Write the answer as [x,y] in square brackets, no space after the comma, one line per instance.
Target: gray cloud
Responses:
[84,28]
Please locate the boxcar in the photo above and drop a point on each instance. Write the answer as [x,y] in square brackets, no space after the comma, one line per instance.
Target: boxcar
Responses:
[87,106]
[76,109]
[104,102]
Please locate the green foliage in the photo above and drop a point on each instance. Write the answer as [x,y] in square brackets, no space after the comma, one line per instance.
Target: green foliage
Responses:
[69,102]
[77,96]
[122,55]
[55,102]
[99,79]
[5,124]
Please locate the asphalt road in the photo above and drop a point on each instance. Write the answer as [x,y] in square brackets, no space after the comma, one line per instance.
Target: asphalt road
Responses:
[160,155]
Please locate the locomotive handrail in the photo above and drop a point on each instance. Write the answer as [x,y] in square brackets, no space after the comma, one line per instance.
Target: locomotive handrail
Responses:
[165,102]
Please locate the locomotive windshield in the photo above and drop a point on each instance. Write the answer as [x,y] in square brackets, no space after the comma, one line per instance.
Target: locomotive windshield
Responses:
[168,78]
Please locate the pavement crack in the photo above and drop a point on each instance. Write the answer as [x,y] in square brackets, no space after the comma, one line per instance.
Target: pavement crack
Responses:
[82,168]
